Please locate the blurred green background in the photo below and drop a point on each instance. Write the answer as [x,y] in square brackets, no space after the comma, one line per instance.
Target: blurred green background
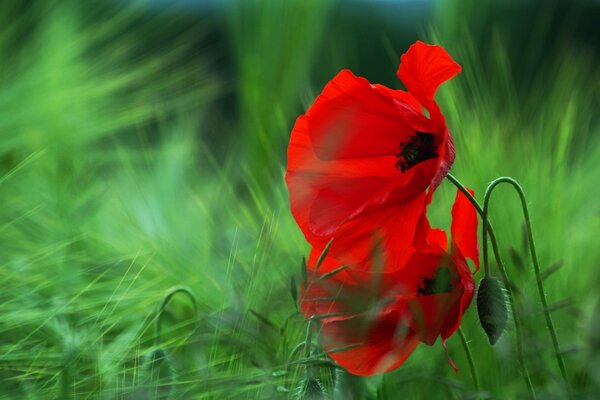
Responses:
[141,163]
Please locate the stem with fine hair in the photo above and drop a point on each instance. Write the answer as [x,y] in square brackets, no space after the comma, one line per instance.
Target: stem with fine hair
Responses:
[487,226]
[465,344]
[534,260]
[165,301]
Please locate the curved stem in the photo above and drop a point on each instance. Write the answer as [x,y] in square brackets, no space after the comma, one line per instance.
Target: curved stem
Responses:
[465,344]
[165,301]
[487,226]
[534,260]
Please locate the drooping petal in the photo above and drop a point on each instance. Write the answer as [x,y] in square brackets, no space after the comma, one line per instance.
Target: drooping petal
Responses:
[429,240]
[379,239]
[464,228]
[383,346]
[423,68]
[363,327]
[464,290]
[402,98]
[433,292]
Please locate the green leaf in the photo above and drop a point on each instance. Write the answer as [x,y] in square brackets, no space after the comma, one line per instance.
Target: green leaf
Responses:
[323,255]
[294,289]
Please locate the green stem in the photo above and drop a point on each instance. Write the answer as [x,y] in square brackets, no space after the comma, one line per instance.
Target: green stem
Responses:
[465,344]
[487,226]
[308,339]
[163,304]
[534,260]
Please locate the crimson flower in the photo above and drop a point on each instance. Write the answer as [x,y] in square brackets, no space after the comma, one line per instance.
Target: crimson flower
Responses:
[363,163]
[363,155]
[371,320]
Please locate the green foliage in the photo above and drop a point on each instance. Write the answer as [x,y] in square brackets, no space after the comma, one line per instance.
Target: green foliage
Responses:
[112,196]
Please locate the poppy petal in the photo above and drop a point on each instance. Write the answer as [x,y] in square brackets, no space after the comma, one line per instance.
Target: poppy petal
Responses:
[464,228]
[325,194]
[465,289]
[364,328]
[379,239]
[352,118]
[445,160]
[434,292]
[401,98]
[427,239]
[423,68]
[383,346]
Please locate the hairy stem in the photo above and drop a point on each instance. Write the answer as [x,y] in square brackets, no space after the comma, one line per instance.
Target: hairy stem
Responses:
[465,344]
[163,304]
[535,262]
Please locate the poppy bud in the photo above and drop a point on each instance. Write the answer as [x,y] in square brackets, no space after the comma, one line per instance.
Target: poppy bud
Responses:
[491,308]
[155,375]
[158,365]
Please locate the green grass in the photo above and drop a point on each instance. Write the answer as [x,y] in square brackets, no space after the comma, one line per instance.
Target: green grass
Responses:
[114,192]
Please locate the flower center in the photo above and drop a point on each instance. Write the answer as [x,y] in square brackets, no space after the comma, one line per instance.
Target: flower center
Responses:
[417,148]
[438,283]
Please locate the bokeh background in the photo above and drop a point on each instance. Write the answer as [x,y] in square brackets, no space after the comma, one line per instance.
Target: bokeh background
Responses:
[142,153]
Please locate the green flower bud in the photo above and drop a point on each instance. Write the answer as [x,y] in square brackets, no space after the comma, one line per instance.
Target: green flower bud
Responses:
[491,308]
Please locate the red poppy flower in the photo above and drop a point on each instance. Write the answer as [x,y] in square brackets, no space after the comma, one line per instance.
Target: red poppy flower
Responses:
[372,320]
[363,148]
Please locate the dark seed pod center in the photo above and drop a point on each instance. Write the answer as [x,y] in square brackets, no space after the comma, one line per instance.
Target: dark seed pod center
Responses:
[438,283]
[417,148]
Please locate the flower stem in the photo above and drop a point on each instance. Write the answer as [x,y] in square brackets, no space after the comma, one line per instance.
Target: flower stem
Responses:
[487,227]
[465,344]
[535,261]
[163,304]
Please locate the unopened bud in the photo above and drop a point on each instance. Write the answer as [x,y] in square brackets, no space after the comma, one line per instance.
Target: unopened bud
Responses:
[491,307]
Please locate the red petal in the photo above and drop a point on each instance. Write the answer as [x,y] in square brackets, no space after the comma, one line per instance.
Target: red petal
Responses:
[401,98]
[427,239]
[382,346]
[377,325]
[353,119]
[325,194]
[423,68]
[445,160]
[430,310]
[464,228]
[465,289]
[380,239]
